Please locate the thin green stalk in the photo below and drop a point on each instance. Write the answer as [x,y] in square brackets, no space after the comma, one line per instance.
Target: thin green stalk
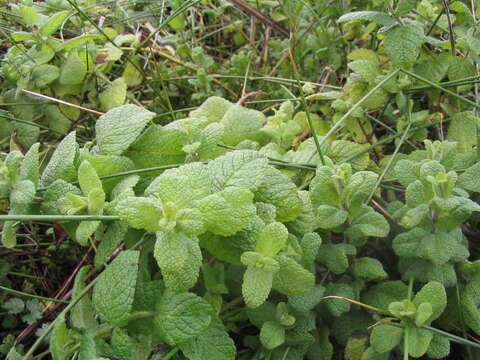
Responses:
[24,294]
[392,158]
[405,343]
[26,122]
[451,337]
[340,122]
[171,353]
[436,86]
[58,218]
[305,107]
[390,129]
[435,22]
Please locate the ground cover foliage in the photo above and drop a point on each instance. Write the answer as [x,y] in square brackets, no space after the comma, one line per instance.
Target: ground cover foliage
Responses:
[239,180]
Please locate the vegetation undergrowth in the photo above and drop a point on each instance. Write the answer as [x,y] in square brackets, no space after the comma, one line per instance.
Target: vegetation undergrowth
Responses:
[239,179]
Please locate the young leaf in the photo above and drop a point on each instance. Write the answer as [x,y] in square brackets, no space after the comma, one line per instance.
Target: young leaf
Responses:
[213,109]
[241,123]
[29,169]
[88,178]
[227,211]
[113,294]
[179,258]
[182,317]
[258,278]
[119,128]
[140,212]
[433,293]
[279,190]
[272,239]
[330,217]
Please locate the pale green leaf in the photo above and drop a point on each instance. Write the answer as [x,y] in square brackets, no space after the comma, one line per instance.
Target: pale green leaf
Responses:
[118,128]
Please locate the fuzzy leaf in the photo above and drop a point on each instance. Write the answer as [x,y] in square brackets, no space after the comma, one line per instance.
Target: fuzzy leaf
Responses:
[119,128]
[179,258]
[272,335]
[60,165]
[373,16]
[182,317]
[403,43]
[292,278]
[113,294]
[385,337]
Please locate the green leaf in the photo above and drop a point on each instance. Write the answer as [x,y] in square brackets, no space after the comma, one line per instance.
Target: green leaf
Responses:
[424,312]
[88,348]
[338,307]
[29,15]
[44,74]
[82,315]
[403,43]
[212,344]
[119,128]
[368,70]
[61,165]
[240,124]
[113,294]
[227,211]
[242,168]
[60,339]
[433,293]
[182,317]
[258,278]
[79,40]
[439,347]
[53,23]
[463,129]
[140,212]
[9,236]
[292,278]
[418,340]
[85,230]
[122,344]
[369,223]
[21,197]
[182,186]
[281,192]
[334,257]
[272,335]
[358,189]
[213,109]
[371,354]
[470,179]
[307,301]
[369,269]
[73,70]
[330,217]
[114,95]
[381,295]
[14,306]
[272,239]
[56,191]
[373,16]
[29,168]
[385,337]
[179,258]
[405,6]
[88,178]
